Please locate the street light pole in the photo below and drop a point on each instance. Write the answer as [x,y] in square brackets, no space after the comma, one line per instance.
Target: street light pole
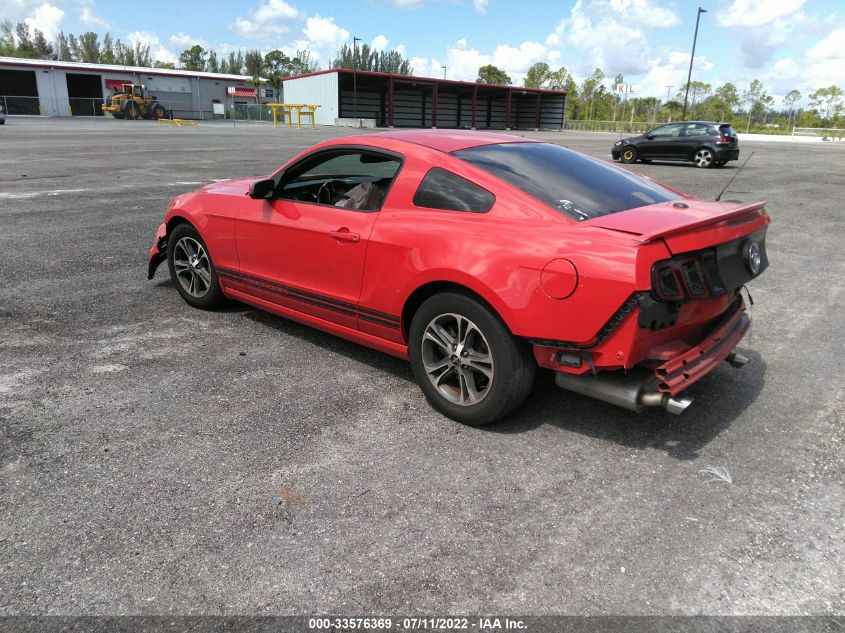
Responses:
[444,71]
[691,57]
[669,96]
[355,41]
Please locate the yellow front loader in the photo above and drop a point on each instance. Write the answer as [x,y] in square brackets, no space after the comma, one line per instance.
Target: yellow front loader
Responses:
[133,102]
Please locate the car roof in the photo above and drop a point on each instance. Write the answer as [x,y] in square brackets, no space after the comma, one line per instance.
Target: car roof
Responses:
[451,140]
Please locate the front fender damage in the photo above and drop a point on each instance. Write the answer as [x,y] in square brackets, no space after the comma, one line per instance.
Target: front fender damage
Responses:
[158,252]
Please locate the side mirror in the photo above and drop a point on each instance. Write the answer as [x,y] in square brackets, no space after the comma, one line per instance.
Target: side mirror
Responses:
[650,137]
[262,189]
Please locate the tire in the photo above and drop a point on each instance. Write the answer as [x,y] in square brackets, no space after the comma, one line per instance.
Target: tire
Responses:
[629,154]
[117,115]
[192,270]
[703,158]
[450,329]
[131,112]
[159,112]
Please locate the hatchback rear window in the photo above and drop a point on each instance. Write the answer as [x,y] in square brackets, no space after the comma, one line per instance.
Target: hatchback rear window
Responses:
[726,129]
[578,186]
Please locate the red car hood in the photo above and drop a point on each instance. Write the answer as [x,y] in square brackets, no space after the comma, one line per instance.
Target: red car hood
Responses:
[230,187]
[686,224]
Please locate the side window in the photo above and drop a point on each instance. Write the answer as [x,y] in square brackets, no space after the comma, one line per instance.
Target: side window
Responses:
[696,129]
[352,179]
[667,130]
[441,189]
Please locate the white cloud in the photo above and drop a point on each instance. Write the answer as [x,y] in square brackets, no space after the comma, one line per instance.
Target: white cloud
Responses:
[47,18]
[266,22]
[87,17]
[612,34]
[463,61]
[762,27]
[480,5]
[753,13]
[379,43]
[323,37]
[183,41]
[670,70]
[158,51]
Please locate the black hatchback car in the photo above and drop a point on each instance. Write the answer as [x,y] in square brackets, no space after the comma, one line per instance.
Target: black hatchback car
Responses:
[705,143]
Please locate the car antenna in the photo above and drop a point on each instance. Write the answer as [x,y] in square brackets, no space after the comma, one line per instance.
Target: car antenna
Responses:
[719,197]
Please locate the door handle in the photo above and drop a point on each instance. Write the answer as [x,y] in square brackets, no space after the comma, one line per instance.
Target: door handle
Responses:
[344,235]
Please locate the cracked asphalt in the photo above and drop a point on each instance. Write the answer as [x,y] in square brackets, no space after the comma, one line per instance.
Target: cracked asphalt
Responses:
[156,459]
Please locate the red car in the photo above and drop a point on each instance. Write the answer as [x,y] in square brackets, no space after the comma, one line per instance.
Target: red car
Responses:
[480,257]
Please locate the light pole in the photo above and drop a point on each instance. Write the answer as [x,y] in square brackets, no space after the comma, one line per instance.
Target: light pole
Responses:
[444,71]
[355,41]
[691,57]
[669,96]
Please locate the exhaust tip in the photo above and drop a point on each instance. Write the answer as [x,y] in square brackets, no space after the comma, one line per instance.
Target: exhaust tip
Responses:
[735,359]
[677,406]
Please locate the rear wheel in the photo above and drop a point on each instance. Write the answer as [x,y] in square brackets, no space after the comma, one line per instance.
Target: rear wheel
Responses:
[703,158]
[467,364]
[629,154]
[191,268]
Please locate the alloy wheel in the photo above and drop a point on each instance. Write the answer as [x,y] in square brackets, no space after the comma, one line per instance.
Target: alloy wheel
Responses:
[193,268]
[457,359]
[703,158]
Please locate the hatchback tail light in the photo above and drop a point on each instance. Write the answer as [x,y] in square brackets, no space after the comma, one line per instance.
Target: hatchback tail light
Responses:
[723,140]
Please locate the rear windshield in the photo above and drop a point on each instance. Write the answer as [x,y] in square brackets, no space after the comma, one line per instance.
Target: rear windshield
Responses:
[726,130]
[578,186]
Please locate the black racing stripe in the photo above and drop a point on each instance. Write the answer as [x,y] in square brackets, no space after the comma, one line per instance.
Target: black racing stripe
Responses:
[380,315]
[288,295]
[387,324]
[304,296]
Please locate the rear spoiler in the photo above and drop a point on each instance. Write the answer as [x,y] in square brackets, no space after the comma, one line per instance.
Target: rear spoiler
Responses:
[686,227]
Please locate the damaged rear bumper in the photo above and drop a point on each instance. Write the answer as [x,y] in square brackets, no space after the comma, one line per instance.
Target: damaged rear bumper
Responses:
[683,370]
[158,252]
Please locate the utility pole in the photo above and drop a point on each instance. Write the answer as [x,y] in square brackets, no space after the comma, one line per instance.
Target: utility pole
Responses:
[355,41]
[691,58]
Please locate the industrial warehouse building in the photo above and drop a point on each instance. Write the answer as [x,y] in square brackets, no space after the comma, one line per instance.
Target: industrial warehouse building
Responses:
[34,86]
[386,100]
[37,86]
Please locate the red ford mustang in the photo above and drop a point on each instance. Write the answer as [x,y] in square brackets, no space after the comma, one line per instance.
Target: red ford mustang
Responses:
[479,257]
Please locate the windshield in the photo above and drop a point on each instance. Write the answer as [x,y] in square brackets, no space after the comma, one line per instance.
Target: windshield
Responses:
[578,186]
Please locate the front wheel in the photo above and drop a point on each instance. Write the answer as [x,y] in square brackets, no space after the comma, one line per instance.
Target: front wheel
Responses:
[159,112]
[629,154]
[466,362]
[191,268]
[703,158]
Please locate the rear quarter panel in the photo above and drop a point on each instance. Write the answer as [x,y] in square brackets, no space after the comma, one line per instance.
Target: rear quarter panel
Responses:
[499,255]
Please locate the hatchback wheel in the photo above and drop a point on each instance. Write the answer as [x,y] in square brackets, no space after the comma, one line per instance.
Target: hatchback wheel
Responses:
[191,268]
[629,154]
[703,158]
[466,362]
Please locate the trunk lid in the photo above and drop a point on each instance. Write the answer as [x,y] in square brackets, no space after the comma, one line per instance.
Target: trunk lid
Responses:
[686,225]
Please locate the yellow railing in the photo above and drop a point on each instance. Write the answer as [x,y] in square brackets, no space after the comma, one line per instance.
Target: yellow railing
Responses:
[301,109]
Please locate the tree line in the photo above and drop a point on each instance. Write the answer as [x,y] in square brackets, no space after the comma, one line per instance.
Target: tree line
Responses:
[751,107]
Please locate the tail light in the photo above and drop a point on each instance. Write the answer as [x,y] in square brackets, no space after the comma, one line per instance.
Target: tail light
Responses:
[693,276]
[723,140]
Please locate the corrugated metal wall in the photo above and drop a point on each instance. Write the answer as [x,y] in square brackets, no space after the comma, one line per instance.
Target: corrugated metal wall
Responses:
[315,89]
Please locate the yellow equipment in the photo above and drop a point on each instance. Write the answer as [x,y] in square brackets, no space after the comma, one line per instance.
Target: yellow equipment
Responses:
[133,102]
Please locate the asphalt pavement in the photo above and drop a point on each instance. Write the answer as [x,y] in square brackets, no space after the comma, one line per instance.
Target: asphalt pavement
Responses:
[156,459]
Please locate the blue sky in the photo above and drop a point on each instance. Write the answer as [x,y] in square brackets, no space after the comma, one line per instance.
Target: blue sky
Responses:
[785,43]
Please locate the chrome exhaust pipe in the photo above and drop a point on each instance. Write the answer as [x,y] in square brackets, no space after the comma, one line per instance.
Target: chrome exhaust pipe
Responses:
[735,359]
[633,391]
